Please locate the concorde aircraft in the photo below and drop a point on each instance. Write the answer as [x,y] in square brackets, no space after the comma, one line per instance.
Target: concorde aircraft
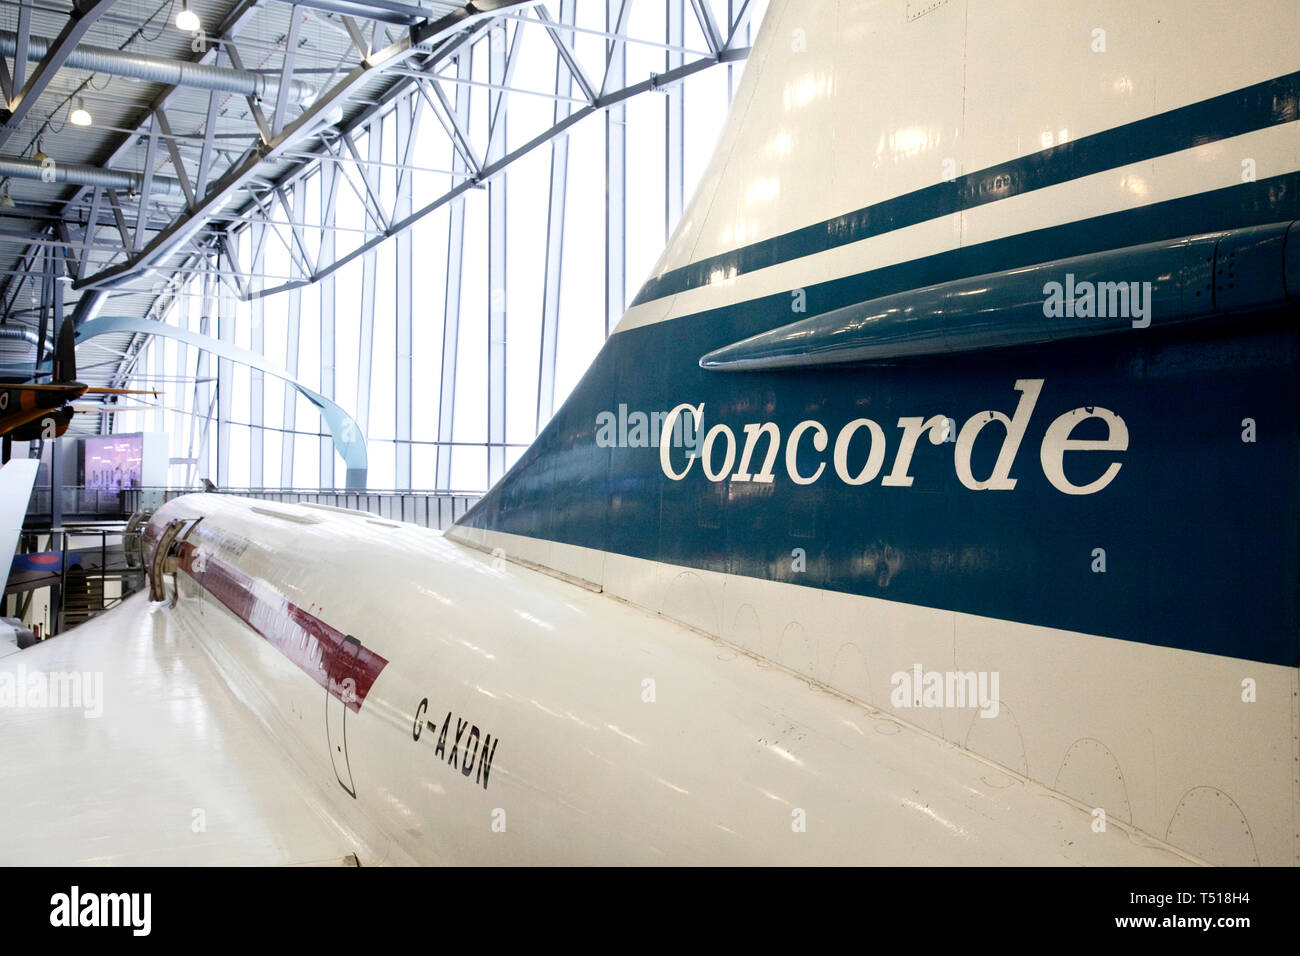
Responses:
[935,502]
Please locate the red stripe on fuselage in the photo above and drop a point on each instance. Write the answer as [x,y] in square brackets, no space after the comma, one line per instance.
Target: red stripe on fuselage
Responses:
[300,636]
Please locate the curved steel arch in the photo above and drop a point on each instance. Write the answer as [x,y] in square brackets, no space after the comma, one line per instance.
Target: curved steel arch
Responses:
[347,434]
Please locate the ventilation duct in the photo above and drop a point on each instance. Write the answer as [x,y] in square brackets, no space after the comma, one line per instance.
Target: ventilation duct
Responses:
[75,174]
[24,332]
[156,69]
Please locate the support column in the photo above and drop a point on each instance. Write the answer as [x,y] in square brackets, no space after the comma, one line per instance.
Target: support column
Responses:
[292,336]
[455,273]
[497,279]
[408,118]
[257,342]
[616,14]
[292,332]
[202,411]
[675,121]
[366,340]
[329,194]
[225,379]
[558,202]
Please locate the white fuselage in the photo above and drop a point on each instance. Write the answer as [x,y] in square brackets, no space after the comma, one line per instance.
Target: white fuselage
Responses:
[616,736]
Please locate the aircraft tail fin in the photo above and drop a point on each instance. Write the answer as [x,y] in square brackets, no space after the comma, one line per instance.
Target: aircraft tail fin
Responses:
[65,355]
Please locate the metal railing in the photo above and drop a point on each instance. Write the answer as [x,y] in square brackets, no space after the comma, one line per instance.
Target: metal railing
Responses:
[79,501]
[429,509]
[106,576]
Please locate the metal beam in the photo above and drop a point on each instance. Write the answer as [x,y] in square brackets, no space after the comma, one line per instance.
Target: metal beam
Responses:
[165,129]
[447,116]
[501,82]
[329,193]
[227,30]
[225,384]
[400,216]
[554,268]
[20,53]
[407,119]
[47,279]
[204,394]
[295,217]
[205,151]
[617,13]
[185,226]
[235,275]
[254,106]
[292,334]
[283,94]
[494,169]
[382,11]
[73,265]
[6,82]
[150,158]
[13,289]
[56,291]
[452,294]
[674,123]
[23,97]
[268,217]
[609,35]
[709,26]
[739,24]
[498,288]
[366,317]
[359,42]
[256,238]
[374,206]
[122,230]
[564,47]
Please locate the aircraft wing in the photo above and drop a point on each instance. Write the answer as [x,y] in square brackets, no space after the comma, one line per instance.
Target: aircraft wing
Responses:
[162,766]
[24,412]
[16,480]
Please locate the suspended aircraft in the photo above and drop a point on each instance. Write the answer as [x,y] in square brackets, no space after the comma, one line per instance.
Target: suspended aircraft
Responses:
[33,411]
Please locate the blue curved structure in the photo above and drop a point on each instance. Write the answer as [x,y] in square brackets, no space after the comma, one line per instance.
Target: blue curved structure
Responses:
[347,434]
[1012,307]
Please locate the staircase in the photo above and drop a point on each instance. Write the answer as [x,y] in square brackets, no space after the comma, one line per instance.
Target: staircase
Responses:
[110,573]
[83,600]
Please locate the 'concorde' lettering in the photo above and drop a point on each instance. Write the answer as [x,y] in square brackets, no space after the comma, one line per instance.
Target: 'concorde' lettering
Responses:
[858,448]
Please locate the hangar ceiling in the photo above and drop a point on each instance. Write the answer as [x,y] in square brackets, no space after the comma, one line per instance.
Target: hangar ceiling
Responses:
[194,134]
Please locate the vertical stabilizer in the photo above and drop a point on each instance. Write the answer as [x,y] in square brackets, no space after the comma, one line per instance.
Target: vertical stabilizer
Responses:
[65,355]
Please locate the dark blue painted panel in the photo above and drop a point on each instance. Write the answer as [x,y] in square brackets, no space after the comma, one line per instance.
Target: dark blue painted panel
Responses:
[1199,527]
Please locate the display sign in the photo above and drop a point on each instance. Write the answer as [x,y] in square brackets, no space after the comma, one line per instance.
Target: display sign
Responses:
[113,462]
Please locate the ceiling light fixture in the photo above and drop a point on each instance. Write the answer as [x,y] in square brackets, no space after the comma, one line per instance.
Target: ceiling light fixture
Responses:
[6,201]
[187,19]
[40,155]
[80,116]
